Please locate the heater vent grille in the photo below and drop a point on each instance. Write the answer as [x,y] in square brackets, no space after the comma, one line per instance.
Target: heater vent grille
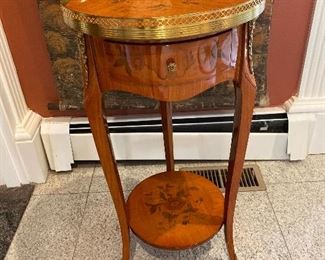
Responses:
[251,178]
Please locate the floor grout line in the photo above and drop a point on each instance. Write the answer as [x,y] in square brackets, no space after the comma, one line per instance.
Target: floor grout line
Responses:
[53,194]
[277,220]
[83,215]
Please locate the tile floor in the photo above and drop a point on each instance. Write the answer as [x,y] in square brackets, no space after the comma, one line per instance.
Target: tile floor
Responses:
[72,217]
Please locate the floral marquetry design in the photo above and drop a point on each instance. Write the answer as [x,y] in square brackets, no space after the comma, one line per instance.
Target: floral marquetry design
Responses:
[173,203]
[208,55]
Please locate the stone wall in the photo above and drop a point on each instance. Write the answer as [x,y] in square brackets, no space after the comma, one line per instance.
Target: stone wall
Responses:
[62,46]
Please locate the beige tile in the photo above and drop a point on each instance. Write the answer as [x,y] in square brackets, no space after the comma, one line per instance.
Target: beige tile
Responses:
[310,169]
[77,181]
[313,168]
[143,251]
[215,249]
[98,182]
[299,207]
[257,234]
[130,173]
[300,210]
[49,228]
[100,234]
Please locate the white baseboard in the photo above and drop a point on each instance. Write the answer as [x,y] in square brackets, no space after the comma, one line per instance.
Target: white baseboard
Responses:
[22,157]
[317,143]
[33,157]
[63,148]
[187,146]
[305,137]
[11,169]
[306,127]
[56,139]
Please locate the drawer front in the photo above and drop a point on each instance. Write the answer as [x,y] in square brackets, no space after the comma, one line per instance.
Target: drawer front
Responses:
[170,71]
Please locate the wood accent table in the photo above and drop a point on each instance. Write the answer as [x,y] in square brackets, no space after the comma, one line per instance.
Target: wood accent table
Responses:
[168,50]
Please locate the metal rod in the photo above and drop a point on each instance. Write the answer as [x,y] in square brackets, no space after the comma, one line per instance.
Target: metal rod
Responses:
[62,107]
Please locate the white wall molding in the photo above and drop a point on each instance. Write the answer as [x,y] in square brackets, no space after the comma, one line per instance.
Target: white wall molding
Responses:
[28,127]
[23,158]
[306,112]
[55,134]
[306,105]
[313,76]
[12,172]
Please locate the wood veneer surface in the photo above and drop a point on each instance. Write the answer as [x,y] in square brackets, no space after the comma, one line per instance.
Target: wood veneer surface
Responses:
[147,8]
[175,210]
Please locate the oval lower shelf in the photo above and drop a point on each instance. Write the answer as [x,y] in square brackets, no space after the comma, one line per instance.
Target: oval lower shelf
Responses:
[175,210]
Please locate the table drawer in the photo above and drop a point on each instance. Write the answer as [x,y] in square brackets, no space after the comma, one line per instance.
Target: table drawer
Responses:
[174,71]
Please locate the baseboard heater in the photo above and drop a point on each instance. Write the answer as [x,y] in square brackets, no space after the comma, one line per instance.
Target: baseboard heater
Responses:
[271,123]
[195,138]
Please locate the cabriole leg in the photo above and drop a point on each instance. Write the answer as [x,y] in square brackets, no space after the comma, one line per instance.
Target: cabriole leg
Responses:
[93,107]
[245,90]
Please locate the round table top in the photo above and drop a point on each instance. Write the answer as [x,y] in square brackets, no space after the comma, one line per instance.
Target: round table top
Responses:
[157,20]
